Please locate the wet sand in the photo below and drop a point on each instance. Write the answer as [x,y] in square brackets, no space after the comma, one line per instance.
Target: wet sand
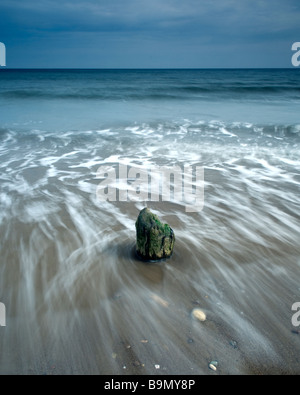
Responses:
[86,305]
[77,299]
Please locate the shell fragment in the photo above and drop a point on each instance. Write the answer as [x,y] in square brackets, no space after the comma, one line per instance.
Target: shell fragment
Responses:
[199,315]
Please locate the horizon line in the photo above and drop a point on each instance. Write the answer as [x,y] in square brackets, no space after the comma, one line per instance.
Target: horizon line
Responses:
[147,68]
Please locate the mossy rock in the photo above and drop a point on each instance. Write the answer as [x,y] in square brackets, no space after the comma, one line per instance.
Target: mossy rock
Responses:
[154,240]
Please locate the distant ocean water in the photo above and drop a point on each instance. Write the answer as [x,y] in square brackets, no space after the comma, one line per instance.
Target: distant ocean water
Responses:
[80,99]
[68,277]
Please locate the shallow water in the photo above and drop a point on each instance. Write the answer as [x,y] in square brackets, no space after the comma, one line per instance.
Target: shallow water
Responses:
[77,298]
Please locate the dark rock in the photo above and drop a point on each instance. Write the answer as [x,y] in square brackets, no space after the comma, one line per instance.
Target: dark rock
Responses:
[154,240]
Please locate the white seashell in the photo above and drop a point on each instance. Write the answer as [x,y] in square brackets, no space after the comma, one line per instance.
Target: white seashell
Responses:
[199,315]
[213,365]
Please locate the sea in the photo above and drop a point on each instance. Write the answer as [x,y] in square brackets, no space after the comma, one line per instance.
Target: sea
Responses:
[77,298]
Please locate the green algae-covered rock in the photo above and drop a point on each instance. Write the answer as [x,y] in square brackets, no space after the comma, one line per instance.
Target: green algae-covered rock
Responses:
[154,240]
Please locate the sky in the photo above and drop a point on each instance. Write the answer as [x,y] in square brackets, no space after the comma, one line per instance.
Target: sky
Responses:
[149,33]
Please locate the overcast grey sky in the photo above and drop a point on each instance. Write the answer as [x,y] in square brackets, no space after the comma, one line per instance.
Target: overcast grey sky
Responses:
[149,33]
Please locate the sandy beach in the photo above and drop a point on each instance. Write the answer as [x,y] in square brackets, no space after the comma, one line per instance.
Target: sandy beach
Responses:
[117,315]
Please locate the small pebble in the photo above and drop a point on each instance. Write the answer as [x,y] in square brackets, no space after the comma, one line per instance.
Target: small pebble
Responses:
[196,302]
[213,365]
[233,344]
[199,315]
